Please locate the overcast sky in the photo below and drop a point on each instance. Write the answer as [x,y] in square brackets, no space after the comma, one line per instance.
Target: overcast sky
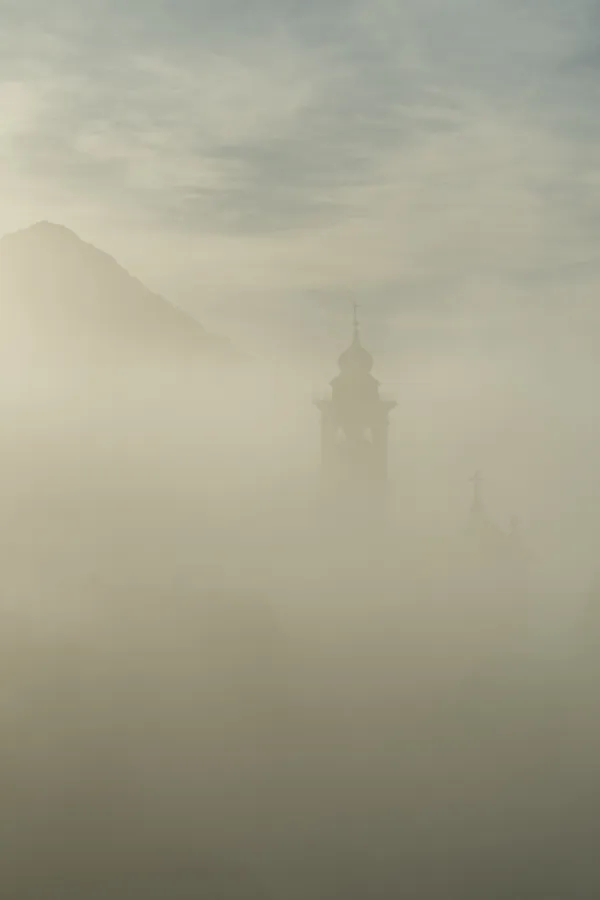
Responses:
[263,162]
[271,156]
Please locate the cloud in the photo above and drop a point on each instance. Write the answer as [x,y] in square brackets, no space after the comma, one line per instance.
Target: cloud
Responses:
[264,163]
[418,153]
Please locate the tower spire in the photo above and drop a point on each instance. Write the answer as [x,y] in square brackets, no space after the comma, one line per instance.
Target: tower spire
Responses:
[477,502]
[355,324]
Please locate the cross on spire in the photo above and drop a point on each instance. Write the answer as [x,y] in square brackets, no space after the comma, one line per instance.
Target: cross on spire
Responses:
[355,322]
[476,479]
[476,482]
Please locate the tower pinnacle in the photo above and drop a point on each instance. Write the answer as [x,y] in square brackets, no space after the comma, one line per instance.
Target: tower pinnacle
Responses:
[354,419]
[477,501]
[355,321]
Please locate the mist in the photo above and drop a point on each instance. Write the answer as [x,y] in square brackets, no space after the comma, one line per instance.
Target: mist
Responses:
[219,683]
[231,669]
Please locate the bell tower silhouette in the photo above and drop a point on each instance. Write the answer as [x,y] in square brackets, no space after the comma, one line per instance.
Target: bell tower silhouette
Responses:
[354,424]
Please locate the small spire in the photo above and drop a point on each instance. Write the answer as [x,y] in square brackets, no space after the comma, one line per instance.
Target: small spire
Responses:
[476,504]
[356,358]
[355,322]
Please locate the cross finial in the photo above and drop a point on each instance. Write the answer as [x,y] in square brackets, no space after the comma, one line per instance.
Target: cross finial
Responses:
[476,482]
[355,314]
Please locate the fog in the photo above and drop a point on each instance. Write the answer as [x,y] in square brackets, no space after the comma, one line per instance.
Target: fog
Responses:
[227,671]
[220,682]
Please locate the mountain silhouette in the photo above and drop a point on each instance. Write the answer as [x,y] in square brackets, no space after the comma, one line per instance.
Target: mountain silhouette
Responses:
[63,293]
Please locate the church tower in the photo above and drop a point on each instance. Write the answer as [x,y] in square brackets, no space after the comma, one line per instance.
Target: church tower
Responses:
[354,425]
[501,552]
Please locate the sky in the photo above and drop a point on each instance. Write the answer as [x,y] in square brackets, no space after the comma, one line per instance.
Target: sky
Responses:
[436,161]
[263,163]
